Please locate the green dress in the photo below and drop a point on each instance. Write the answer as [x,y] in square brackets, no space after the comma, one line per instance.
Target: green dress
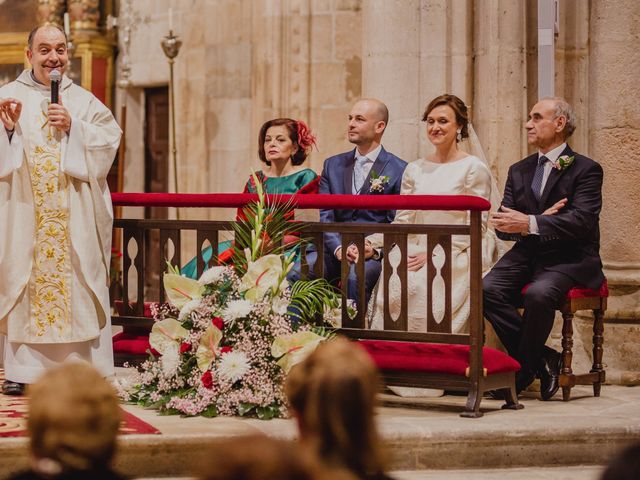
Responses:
[303,181]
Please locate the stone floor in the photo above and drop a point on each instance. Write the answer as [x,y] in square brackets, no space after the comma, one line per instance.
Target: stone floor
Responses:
[429,435]
[425,439]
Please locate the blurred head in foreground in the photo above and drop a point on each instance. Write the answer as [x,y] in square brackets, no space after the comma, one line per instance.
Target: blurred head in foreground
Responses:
[333,395]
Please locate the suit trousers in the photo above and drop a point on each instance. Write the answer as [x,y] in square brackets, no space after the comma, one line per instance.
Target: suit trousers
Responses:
[524,336]
[332,272]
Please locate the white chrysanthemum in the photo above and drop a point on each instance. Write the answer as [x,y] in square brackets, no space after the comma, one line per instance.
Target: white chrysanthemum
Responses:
[236,309]
[233,365]
[170,361]
[213,275]
[188,308]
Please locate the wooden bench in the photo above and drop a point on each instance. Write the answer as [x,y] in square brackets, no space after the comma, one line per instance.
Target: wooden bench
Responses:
[436,358]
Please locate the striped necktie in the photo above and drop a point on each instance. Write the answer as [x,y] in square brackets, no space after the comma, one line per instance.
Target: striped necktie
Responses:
[359,174]
[536,184]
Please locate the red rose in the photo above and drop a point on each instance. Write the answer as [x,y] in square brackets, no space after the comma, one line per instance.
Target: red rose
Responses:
[184,347]
[225,350]
[207,380]
[218,322]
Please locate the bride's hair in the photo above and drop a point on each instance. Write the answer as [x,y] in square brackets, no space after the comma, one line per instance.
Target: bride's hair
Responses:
[299,133]
[458,107]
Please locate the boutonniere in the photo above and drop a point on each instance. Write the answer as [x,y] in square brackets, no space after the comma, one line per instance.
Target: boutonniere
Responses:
[378,182]
[563,162]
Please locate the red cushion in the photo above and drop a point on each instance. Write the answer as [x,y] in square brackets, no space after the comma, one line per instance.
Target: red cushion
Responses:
[133,344]
[434,357]
[119,304]
[583,292]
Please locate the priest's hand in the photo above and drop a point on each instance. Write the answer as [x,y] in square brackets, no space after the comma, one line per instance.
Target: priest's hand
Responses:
[510,221]
[10,109]
[59,117]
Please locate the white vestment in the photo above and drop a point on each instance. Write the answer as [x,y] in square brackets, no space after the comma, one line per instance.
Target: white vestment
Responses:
[69,319]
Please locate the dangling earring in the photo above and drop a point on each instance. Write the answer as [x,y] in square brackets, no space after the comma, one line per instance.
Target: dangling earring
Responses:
[459,136]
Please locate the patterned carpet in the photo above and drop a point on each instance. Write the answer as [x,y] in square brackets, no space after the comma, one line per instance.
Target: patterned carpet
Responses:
[13,418]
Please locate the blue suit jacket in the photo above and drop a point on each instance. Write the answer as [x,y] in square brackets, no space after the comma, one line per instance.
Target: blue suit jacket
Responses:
[337,178]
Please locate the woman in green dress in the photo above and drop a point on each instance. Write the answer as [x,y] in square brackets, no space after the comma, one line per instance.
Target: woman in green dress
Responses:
[283,145]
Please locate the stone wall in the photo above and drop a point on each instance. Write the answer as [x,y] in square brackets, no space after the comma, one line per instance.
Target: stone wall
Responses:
[245,61]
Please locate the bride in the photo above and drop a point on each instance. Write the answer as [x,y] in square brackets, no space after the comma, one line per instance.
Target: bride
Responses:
[447,171]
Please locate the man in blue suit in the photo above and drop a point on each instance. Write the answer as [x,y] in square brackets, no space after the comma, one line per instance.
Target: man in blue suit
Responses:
[352,173]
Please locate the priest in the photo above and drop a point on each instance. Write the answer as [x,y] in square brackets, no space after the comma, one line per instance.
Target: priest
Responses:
[56,217]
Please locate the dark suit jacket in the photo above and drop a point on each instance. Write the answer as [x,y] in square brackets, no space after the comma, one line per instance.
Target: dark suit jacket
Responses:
[337,178]
[569,241]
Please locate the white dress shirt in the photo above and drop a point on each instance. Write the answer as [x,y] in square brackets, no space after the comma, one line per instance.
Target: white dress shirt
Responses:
[552,155]
[365,162]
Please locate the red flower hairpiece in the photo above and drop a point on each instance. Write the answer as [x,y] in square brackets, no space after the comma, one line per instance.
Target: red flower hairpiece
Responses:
[305,138]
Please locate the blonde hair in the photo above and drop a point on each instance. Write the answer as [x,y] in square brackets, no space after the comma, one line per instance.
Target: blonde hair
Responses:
[74,417]
[333,394]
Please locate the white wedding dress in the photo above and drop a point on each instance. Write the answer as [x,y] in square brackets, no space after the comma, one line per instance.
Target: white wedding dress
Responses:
[467,176]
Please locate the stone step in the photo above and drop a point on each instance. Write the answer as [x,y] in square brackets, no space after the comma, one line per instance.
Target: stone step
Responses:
[580,472]
[429,436]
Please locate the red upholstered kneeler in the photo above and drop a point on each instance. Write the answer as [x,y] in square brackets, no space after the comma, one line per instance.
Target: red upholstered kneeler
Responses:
[443,365]
[581,298]
[132,344]
[434,358]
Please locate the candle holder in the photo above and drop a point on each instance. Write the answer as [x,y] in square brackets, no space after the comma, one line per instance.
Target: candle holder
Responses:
[171,47]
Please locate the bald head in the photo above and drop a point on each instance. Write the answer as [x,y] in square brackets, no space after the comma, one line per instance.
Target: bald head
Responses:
[367,120]
[378,109]
[32,34]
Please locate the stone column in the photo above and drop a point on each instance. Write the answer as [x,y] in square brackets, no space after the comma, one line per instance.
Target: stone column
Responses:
[501,82]
[614,141]
[391,68]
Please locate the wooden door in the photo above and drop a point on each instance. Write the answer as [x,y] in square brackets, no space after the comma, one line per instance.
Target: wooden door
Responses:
[156,168]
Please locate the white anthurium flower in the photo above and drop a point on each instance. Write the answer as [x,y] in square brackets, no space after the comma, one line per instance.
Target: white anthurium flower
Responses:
[212,275]
[234,365]
[166,334]
[262,275]
[188,308]
[236,309]
[333,315]
[208,347]
[294,348]
[170,360]
[181,290]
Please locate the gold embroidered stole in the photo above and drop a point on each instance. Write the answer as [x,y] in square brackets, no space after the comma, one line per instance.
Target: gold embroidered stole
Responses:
[50,282]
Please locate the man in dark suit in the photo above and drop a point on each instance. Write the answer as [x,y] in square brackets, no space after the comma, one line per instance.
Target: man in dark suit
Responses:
[551,207]
[352,173]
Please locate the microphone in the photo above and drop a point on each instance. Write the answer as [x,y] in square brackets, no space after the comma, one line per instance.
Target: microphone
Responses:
[55,76]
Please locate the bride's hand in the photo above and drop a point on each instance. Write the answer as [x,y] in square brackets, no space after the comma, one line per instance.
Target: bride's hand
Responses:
[553,209]
[416,262]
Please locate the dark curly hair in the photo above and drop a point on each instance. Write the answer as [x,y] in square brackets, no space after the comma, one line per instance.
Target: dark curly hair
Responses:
[296,129]
[458,107]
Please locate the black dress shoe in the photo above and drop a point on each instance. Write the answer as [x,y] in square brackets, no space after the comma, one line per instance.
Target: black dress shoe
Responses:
[12,388]
[549,373]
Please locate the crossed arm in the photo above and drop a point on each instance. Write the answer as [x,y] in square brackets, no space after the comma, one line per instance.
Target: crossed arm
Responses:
[557,222]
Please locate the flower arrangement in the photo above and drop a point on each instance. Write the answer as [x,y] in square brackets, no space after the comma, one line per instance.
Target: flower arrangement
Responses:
[563,162]
[227,340]
[378,182]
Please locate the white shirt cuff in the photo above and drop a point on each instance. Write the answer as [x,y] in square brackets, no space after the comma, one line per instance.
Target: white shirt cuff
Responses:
[533,225]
